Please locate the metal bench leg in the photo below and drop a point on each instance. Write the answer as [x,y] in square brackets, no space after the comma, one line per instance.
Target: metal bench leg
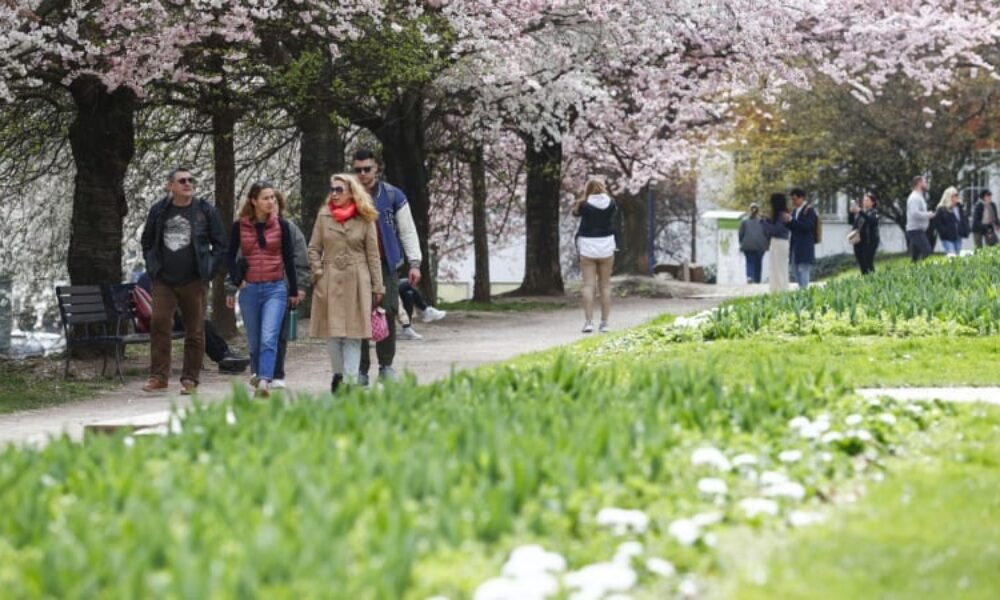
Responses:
[119,359]
[66,368]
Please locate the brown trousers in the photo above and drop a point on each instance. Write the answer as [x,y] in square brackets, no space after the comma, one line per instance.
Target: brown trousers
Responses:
[596,273]
[191,298]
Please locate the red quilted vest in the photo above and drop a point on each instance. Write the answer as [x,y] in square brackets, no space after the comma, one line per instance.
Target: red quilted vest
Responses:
[263,264]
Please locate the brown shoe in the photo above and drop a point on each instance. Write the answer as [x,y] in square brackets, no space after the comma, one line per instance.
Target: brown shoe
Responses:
[154,385]
[188,387]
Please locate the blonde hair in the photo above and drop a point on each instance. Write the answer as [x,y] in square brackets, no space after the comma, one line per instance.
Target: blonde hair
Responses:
[594,186]
[946,197]
[362,199]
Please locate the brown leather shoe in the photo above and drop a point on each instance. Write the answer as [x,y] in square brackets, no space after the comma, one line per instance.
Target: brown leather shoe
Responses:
[188,387]
[154,385]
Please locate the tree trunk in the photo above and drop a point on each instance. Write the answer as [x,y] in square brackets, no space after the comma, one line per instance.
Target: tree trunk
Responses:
[633,255]
[480,240]
[542,270]
[320,156]
[102,138]
[224,152]
[405,154]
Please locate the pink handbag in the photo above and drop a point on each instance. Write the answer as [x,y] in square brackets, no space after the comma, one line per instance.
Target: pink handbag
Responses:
[380,325]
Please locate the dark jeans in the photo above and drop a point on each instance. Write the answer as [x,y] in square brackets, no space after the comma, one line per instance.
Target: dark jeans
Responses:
[215,346]
[920,246]
[865,256]
[279,361]
[411,297]
[386,349]
[191,299]
[755,263]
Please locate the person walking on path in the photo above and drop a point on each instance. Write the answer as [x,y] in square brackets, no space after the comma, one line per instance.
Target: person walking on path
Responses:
[268,283]
[397,235]
[802,223]
[347,275]
[864,219]
[595,240]
[985,222]
[778,235]
[183,244]
[947,221]
[918,220]
[303,279]
[753,243]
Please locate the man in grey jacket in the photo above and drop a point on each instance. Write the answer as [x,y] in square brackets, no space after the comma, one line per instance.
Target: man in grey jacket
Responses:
[918,219]
[753,243]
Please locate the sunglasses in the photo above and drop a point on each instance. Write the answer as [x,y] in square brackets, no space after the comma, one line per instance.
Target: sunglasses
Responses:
[186,180]
[363,169]
[336,190]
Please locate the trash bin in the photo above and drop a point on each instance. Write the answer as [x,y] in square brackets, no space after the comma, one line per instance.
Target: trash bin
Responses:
[6,314]
[292,325]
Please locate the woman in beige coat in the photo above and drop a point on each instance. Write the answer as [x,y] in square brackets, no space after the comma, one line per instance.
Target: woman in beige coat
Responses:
[347,275]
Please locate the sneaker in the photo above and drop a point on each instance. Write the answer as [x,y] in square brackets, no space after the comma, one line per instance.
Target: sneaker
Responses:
[277,384]
[335,382]
[188,387]
[386,374]
[154,385]
[433,314]
[263,389]
[588,327]
[233,364]
[254,380]
[363,379]
[408,334]
[604,327]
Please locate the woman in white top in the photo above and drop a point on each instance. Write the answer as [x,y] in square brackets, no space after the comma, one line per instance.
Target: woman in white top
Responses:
[595,239]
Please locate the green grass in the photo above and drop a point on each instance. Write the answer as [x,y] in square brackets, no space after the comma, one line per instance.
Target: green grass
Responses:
[928,531]
[38,382]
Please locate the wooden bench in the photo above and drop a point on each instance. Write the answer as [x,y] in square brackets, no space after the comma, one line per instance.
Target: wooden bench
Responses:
[101,315]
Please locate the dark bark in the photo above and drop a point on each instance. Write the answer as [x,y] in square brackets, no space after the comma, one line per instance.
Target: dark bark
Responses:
[224,163]
[480,240]
[321,155]
[404,151]
[633,240]
[102,138]
[542,271]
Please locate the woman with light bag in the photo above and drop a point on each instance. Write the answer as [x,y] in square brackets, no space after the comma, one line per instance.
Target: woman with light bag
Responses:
[347,275]
[864,236]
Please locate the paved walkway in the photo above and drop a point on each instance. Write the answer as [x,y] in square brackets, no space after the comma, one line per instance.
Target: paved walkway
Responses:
[990,395]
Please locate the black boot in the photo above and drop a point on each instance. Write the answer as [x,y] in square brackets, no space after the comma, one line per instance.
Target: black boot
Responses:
[337,378]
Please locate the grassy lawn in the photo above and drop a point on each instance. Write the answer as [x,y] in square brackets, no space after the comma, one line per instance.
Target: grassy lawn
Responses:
[38,382]
[927,531]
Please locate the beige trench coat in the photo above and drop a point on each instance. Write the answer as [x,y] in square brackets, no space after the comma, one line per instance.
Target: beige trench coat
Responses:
[345,267]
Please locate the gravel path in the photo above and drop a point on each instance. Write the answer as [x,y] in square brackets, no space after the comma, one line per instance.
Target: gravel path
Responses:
[463,340]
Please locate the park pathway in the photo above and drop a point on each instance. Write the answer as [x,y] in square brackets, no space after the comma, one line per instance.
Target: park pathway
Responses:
[463,340]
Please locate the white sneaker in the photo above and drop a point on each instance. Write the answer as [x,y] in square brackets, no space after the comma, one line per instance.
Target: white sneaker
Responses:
[433,314]
[277,384]
[604,327]
[588,327]
[408,334]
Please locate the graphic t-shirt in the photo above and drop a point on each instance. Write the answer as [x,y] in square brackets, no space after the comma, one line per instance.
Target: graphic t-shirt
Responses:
[180,265]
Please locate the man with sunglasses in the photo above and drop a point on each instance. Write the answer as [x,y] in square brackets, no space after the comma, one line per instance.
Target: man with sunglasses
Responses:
[397,236]
[184,244]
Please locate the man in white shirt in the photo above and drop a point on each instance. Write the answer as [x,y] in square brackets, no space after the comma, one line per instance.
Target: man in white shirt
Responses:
[918,219]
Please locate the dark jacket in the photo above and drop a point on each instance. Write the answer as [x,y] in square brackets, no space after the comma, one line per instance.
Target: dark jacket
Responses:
[867,223]
[802,250]
[946,225]
[752,236]
[388,200]
[208,238]
[978,212]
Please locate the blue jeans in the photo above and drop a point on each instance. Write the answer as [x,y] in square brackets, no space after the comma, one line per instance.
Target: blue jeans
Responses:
[951,246]
[263,306]
[755,262]
[801,272]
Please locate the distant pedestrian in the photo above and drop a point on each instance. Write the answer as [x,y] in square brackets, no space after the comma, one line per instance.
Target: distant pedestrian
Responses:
[595,240]
[183,244]
[864,218]
[802,222]
[985,221]
[778,236]
[918,220]
[347,271]
[753,243]
[268,284]
[947,222]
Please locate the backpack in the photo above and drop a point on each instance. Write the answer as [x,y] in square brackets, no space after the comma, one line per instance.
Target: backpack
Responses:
[142,303]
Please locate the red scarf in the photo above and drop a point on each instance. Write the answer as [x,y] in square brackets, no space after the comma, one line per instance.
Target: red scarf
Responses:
[343,213]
